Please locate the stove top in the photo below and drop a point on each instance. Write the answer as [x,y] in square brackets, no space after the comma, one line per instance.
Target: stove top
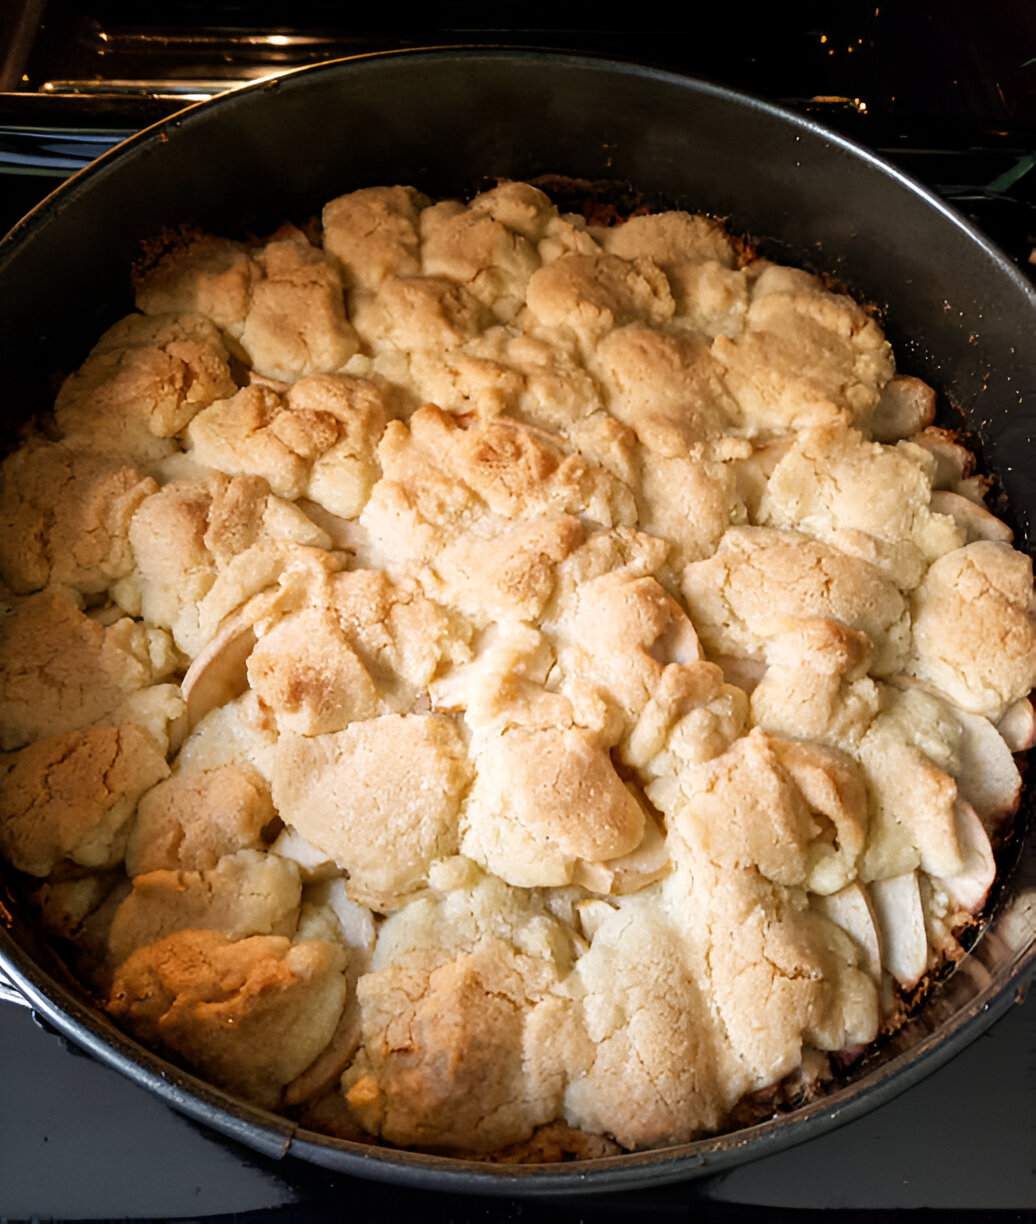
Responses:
[947,91]
[78,1141]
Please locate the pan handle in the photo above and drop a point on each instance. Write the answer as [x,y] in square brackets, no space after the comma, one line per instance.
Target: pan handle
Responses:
[9,992]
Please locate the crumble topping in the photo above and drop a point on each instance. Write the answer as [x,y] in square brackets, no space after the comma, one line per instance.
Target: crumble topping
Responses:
[491,683]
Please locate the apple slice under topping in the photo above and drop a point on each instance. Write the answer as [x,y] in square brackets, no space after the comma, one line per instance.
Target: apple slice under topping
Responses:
[953,463]
[974,520]
[970,887]
[906,406]
[218,674]
[850,908]
[899,916]
[988,779]
[1018,725]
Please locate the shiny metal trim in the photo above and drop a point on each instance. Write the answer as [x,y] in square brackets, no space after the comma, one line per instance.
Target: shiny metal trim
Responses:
[9,992]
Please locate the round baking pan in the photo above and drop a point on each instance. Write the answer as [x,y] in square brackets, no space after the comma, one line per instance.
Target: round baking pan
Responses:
[449,121]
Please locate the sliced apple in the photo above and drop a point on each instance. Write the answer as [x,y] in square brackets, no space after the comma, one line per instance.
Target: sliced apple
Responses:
[218,673]
[953,462]
[357,922]
[357,931]
[850,908]
[988,779]
[313,864]
[1018,725]
[970,887]
[906,406]
[649,862]
[592,915]
[744,674]
[345,534]
[974,520]
[899,917]
[594,877]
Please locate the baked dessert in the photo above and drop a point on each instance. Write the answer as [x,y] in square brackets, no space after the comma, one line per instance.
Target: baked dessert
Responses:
[487,682]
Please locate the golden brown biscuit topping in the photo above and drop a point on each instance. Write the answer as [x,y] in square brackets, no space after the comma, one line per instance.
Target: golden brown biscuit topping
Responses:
[501,685]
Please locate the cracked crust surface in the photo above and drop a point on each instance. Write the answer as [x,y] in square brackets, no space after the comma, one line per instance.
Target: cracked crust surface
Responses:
[71,796]
[250,1014]
[144,381]
[64,518]
[63,670]
[381,797]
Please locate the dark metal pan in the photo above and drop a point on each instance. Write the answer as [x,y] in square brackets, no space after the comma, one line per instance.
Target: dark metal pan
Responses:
[957,312]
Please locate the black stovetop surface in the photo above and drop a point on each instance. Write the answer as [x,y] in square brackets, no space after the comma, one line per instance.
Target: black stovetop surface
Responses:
[78,1141]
